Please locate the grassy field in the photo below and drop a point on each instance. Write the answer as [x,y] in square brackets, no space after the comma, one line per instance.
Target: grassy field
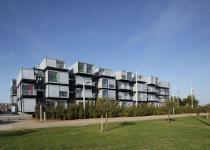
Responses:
[184,133]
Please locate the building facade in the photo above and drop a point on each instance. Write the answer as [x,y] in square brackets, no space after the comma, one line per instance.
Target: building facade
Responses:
[81,82]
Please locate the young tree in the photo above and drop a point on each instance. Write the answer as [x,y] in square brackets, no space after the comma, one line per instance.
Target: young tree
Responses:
[102,107]
[169,105]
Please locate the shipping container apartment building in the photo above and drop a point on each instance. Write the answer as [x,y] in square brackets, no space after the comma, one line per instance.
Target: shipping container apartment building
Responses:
[84,81]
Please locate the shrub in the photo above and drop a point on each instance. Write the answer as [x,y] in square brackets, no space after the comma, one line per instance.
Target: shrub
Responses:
[112,108]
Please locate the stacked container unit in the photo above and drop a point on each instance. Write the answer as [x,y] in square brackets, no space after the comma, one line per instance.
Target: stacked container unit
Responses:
[81,80]
[56,82]
[106,83]
[163,91]
[124,87]
[139,89]
[26,94]
[152,89]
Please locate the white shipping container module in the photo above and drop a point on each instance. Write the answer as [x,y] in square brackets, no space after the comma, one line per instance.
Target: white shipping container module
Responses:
[53,90]
[25,74]
[29,104]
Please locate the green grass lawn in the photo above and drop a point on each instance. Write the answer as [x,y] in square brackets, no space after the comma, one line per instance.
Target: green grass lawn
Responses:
[184,133]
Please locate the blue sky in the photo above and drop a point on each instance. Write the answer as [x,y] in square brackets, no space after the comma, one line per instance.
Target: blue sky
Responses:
[169,39]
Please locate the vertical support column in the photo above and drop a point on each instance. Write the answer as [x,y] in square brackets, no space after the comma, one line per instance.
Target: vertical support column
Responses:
[40,113]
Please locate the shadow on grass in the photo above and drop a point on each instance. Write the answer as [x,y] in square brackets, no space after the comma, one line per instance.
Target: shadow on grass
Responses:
[200,120]
[171,119]
[4,134]
[123,124]
[7,122]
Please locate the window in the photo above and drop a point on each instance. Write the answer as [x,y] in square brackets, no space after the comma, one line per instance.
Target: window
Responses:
[111,86]
[60,64]
[105,83]
[27,89]
[63,94]
[89,68]
[129,75]
[81,67]
[52,76]
[78,92]
[105,93]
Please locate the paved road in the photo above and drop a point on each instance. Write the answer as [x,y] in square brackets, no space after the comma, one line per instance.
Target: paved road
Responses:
[14,122]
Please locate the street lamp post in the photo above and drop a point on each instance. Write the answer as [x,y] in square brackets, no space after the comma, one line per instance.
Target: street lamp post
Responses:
[136,89]
[192,94]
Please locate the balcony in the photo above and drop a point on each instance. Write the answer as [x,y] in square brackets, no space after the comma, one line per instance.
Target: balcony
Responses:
[151,80]
[139,78]
[125,96]
[125,87]
[164,84]
[141,97]
[82,68]
[123,75]
[141,87]
[152,90]
[105,72]
[153,98]
[54,63]
[88,93]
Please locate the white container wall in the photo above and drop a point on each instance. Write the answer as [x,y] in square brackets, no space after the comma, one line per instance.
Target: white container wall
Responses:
[163,84]
[152,89]
[25,74]
[55,91]
[52,76]
[151,80]
[124,85]
[49,62]
[124,95]
[80,80]
[110,83]
[111,94]
[123,75]
[141,87]
[141,96]
[152,97]
[28,104]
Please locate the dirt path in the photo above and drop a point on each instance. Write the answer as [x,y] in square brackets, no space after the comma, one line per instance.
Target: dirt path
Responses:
[26,122]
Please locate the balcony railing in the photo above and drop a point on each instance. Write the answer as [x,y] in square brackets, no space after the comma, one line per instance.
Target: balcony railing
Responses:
[163,84]
[125,87]
[106,73]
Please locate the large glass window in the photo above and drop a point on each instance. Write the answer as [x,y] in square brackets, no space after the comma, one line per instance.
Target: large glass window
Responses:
[52,76]
[78,92]
[63,94]
[105,83]
[81,67]
[27,89]
[129,75]
[89,68]
[105,93]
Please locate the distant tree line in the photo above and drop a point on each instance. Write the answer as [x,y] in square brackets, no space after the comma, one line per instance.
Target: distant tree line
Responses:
[110,108]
